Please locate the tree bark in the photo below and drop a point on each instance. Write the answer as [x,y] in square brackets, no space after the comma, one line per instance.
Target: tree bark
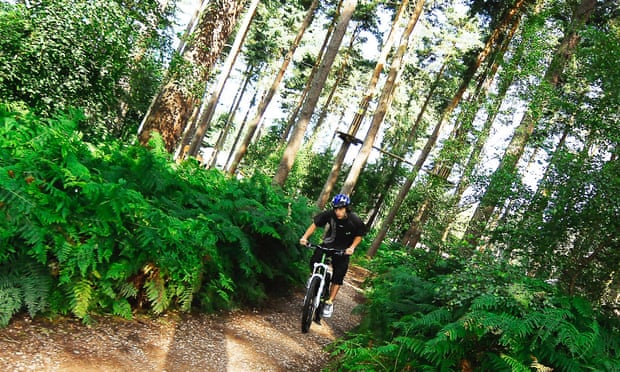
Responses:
[262,106]
[294,143]
[385,101]
[363,108]
[206,116]
[174,104]
[516,147]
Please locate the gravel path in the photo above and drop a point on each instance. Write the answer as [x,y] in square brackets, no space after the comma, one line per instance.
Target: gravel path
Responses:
[266,339]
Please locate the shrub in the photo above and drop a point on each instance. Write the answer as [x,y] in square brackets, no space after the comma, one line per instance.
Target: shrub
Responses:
[484,315]
[115,228]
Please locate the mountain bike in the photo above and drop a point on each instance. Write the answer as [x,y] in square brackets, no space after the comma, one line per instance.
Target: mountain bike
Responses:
[317,290]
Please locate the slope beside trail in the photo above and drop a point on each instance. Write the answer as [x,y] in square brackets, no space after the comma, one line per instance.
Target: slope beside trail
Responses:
[265,339]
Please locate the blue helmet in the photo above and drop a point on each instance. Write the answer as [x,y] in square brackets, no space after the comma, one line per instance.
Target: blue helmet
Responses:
[341,200]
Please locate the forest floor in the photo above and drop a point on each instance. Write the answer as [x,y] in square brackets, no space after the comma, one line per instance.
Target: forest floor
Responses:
[265,339]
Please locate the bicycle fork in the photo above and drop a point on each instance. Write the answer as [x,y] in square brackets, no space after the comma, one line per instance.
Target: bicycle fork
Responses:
[321,270]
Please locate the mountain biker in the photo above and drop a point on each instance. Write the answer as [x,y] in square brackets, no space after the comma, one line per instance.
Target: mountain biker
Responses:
[345,232]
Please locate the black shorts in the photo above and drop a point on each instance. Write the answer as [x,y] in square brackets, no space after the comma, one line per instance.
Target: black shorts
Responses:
[340,265]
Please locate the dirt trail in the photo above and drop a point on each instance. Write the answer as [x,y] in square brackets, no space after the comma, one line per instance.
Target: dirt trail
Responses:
[266,339]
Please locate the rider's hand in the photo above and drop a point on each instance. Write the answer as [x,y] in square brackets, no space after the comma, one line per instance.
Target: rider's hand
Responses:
[349,251]
[303,241]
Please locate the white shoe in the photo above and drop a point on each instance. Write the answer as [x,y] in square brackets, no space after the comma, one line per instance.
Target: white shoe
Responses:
[328,309]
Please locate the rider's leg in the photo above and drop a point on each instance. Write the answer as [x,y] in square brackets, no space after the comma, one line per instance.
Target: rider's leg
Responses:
[333,292]
[316,257]
[340,265]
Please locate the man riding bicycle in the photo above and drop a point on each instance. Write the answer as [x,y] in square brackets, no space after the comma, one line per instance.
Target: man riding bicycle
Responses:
[345,232]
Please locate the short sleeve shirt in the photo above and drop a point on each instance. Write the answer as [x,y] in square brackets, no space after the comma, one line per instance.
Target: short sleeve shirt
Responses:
[345,230]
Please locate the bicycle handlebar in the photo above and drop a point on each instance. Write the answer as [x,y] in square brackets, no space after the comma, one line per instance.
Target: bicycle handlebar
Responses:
[339,252]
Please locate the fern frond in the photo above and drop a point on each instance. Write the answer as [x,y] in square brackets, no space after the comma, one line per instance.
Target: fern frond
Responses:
[122,308]
[156,294]
[121,270]
[10,304]
[539,367]
[35,282]
[437,317]
[486,302]
[515,365]
[29,281]
[127,290]
[82,295]
[222,287]
[583,307]
[410,345]
[454,331]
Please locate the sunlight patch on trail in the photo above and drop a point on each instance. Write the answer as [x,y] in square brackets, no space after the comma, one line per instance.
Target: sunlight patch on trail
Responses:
[242,357]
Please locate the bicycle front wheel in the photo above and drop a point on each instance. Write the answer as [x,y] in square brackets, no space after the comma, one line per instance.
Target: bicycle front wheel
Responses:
[308,310]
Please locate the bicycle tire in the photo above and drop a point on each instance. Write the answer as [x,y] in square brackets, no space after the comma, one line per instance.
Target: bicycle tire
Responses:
[324,297]
[308,310]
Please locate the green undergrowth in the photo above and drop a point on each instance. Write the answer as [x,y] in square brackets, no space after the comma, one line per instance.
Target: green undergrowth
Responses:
[113,228]
[429,313]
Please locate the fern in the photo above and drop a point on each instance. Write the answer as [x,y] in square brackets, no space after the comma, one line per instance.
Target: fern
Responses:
[157,295]
[23,283]
[10,303]
[454,331]
[81,298]
[122,308]
[492,319]
[35,283]
[156,291]
[127,290]
[515,365]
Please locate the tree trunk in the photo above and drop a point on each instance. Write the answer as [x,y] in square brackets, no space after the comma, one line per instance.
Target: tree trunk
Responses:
[191,26]
[340,75]
[447,157]
[384,102]
[207,115]
[240,131]
[363,108]
[413,235]
[174,104]
[262,106]
[294,143]
[516,147]
[302,97]
[505,81]
[230,118]
[404,190]
[328,101]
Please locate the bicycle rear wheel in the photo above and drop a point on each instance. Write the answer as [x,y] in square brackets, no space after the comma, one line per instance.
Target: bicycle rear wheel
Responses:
[308,310]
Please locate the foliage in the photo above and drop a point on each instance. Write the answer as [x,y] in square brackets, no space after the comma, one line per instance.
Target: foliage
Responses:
[264,156]
[118,228]
[310,171]
[568,229]
[570,234]
[104,57]
[428,313]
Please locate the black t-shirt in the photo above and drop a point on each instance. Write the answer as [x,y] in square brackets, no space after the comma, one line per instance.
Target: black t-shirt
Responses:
[345,230]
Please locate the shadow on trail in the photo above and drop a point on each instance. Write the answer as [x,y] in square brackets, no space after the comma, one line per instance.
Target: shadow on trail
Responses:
[265,339]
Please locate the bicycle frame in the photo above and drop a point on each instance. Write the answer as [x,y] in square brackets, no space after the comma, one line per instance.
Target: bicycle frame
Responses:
[321,269]
[313,305]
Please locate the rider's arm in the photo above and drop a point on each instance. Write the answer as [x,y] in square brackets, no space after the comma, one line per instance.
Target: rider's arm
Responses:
[356,241]
[308,234]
